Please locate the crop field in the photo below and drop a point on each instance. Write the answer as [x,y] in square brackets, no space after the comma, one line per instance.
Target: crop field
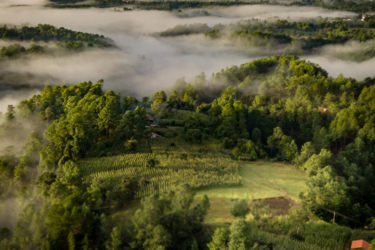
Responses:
[258,182]
[180,163]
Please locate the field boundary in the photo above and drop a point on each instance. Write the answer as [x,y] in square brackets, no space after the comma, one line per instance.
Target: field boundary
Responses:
[282,192]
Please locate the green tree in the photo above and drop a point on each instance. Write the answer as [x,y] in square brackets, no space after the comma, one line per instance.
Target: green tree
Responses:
[240,209]
[239,235]
[159,239]
[194,245]
[308,149]
[126,190]
[131,145]
[115,242]
[71,241]
[85,244]
[220,240]
[203,207]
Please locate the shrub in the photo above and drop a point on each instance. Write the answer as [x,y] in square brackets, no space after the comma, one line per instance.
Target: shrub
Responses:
[240,209]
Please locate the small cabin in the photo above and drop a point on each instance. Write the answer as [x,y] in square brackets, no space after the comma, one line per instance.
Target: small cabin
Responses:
[360,245]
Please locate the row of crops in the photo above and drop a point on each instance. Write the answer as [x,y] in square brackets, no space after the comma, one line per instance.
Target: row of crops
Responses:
[175,164]
[314,236]
[326,236]
[179,146]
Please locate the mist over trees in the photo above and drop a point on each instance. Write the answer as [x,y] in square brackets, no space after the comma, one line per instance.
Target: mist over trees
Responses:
[281,107]
[85,167]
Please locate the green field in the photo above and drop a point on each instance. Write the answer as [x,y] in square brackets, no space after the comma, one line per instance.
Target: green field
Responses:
[289,179]
[222,199]
[286,177]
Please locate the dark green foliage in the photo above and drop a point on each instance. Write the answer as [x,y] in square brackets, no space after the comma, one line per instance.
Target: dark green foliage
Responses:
[186,30]
[280,107]
[67,1]
[125,191]
[45,181]
[296,236]
[287,148]
[151,163]
[45,32]
[5,233]
[15,50]
[131,145]
[194,135]
[237,237]
[203,207]
[168,220]
[240,209]
[359,7]
[258,38]
[115,242]
[170,5]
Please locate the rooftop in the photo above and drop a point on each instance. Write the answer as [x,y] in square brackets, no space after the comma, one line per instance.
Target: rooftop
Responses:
[360,244]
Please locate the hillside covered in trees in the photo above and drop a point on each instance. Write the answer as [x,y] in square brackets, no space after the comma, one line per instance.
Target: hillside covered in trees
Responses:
[110,138]
[86,151]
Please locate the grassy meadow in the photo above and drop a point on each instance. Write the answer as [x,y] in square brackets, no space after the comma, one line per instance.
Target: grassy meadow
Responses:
[261,185]
[260,180]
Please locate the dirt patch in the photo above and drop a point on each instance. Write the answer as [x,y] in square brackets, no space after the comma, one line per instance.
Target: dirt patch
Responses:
[282,192]
[279,204]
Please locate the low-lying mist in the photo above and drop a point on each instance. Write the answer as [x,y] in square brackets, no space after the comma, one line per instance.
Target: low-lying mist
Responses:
[13,97]
[334,66]
[142,63]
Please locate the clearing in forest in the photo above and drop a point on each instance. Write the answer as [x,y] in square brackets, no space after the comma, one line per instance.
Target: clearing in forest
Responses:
[261,180]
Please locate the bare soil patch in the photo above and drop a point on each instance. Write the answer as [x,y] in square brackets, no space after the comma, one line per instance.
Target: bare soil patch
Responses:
[279,204]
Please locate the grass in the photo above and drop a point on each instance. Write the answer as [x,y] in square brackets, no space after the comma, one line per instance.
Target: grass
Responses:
[259,181]
[288,178]
[123,216]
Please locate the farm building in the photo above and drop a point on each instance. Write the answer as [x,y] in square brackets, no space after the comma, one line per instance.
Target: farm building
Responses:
[360,245]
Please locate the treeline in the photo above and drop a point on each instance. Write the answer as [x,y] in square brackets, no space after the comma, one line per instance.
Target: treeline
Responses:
[149,5]
[195,28]
[279,108]
[82,121]
[47,33]
[293,37]
[356,52]
[176,5]
[358,7]
[290,110]
[16,49]
[67,1]
[258,38]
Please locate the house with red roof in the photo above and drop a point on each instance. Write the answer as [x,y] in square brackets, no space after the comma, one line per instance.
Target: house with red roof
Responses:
[360,245]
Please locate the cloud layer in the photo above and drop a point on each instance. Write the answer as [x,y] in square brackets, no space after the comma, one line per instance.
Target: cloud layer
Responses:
[144,64]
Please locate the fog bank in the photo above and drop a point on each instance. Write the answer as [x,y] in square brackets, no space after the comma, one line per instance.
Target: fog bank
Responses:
[143,64]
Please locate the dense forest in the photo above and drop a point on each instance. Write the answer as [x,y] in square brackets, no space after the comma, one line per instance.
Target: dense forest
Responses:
[43,40]
[279,108]
[271,154]
[297,38]
[352,6]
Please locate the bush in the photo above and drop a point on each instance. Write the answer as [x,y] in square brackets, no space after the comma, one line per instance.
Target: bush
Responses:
[131,145]
[295,236]
[240,209]
[151,163]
